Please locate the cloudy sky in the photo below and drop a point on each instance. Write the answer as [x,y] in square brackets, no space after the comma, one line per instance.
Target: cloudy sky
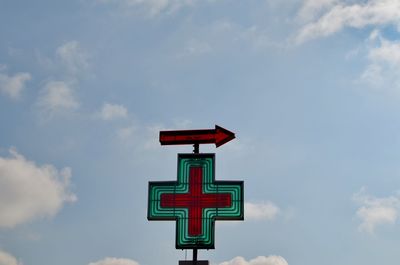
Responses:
[310,87]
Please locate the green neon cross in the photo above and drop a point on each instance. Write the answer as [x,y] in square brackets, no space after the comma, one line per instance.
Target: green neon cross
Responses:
[195,201]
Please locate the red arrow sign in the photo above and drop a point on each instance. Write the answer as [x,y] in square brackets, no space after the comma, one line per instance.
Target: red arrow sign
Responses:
[218,136]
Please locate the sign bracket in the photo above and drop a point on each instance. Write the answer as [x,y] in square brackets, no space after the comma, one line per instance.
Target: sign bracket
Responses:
[196,148]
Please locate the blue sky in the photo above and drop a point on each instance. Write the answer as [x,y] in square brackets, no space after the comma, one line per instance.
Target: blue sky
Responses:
[310,87]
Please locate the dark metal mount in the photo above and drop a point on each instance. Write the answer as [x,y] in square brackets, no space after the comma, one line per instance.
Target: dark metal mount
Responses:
[197,262]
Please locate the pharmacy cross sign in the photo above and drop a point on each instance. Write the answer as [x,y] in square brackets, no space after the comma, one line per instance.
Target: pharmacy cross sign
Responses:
[195,201]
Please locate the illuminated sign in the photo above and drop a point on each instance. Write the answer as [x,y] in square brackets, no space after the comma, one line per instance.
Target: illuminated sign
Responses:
[217,136]
[195,201]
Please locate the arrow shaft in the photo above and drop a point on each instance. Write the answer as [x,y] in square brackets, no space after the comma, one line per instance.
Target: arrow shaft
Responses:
[187,137]
[217,136]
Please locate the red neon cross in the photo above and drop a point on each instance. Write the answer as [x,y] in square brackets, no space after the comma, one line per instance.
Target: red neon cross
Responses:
[196,200]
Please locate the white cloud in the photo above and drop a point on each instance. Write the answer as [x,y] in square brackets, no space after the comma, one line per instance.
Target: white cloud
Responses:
[141,136]
[71,62]
[29,191]
[196,47]
[126,132]
[260,211]
[340,15]
[383,68]
[224,31]
[12,86]
[8,259]
[145,136]
[73,57]
[113,111]
[312,8]
[258,38]
[373,75]
[152,7]
[114,261]
[376,211]
[261,260]
[388,52]
[57,96]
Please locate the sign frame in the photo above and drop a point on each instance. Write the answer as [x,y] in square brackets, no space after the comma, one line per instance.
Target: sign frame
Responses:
[233,187]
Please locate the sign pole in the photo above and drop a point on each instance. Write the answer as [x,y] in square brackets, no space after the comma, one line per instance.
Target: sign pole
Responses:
[194,255]
[196,150]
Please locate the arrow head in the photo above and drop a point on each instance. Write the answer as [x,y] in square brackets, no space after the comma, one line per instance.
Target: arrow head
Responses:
[222,136]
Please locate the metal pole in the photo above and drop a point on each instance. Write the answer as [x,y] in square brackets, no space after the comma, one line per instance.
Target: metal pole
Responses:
[196,150]
[194,256]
